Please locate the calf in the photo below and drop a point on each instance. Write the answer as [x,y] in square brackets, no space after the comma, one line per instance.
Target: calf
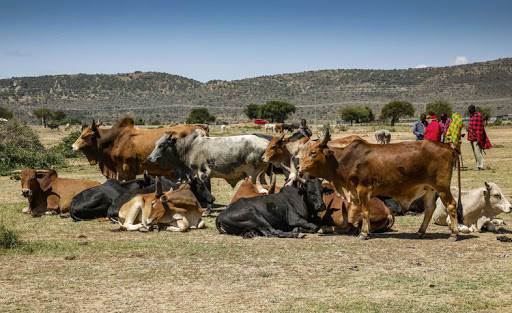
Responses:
[47,192]
[342,216]
[283,214]
[179,210]
[383,136]
[480,207]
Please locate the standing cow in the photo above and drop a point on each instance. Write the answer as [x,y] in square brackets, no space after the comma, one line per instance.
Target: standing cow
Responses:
[480,207]
[404,171]
[231,158]
[383,136]
[122,150]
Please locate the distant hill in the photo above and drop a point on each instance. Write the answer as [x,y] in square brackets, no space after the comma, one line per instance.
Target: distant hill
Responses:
[164,97]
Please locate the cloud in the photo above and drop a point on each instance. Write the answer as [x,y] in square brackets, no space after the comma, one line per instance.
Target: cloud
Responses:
[16,54]
[421,66]
[460,60]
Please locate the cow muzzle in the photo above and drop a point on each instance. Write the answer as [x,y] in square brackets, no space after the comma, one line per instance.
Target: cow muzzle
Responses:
[26,192]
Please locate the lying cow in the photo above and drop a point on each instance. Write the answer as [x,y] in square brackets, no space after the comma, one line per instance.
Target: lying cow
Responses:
[344,217]
[383,136]
[48,193]
[284,214]
[480,207]
[178,210]
[231,158]
[248,189]
[199,188]
[96,201]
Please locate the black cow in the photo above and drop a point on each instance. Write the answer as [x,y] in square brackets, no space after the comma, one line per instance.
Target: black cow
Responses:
[107,199]
[284,214]
[199,189]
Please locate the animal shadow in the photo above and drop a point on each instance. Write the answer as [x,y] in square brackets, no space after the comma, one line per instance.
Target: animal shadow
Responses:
[427,236]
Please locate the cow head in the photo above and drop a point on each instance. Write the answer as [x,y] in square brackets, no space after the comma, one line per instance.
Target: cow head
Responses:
[312,190]
[87,142]
[29,181]
[314,157]
[276,150]
[495,199]
[163,147]
[201,191]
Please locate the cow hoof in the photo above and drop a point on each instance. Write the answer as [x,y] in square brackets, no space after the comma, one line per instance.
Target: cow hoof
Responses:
[143,230]
[363,236]
[421,235]
[301,235]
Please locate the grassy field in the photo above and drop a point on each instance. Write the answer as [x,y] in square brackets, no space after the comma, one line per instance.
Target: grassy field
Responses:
[90,267]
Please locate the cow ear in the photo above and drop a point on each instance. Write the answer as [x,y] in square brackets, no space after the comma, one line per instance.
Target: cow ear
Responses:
[487,186]
[158,189]
[147,178]
[325,138]
[46,182]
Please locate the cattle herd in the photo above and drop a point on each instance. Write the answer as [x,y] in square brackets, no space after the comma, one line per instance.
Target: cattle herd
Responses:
[342,185]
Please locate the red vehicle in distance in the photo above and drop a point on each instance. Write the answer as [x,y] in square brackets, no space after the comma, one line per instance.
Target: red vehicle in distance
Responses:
[260,121]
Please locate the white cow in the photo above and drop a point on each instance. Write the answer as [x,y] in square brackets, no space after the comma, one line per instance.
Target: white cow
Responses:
[271,127]
[480,207]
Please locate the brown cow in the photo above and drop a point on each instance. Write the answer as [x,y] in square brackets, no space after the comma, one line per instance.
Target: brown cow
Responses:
[47,192]
[404,171]
[178,209]
[248,189]
[121,151]
[344,217]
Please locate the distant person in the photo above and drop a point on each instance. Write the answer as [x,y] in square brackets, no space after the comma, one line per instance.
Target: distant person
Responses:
[477,136]
[304,129]
[445,123]
[454,131]
[419,127]
[433,130]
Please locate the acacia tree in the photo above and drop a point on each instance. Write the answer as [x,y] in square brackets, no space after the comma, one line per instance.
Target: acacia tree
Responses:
[200,116]
[277,111]
[253,111]
[43,114]
[394,110]
[439,107]
[358,114]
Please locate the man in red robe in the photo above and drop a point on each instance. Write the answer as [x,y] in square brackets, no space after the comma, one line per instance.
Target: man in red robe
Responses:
[477,136]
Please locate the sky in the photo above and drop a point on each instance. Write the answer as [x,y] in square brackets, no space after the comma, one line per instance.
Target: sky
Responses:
[229,40]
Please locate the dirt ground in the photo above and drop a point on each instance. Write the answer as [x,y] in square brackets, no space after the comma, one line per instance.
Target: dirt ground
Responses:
[89,267]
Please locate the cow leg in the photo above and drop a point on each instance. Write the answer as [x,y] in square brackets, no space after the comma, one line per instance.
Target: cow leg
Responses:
[306,227]
[364,196]
[484,221]
[430,205]
[451,208]
[272,232]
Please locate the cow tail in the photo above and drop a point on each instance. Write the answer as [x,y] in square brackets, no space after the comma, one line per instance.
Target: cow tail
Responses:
[460,213]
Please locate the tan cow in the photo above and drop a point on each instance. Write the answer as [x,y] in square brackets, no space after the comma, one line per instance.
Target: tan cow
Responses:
[46,192]
[343,217]
[122,150]
[403,171]
[177,209]
[248,189]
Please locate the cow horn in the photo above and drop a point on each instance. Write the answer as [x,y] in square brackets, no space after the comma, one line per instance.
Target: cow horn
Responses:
[258,185]
[272,188]
[281,138]
[158,189]
[487,186]
[326,137]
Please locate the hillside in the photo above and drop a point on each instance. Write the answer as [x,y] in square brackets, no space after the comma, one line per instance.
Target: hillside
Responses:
[162,97]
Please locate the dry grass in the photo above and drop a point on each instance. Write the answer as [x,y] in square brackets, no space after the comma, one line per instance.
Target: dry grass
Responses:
[86,267]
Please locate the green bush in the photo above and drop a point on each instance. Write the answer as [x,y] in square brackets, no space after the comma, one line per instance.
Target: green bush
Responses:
[9,239]
[20,147]
[64,146]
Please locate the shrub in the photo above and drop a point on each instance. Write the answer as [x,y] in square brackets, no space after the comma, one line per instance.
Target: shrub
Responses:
[20,147]
[9,239]
[64,146]
[200,116]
